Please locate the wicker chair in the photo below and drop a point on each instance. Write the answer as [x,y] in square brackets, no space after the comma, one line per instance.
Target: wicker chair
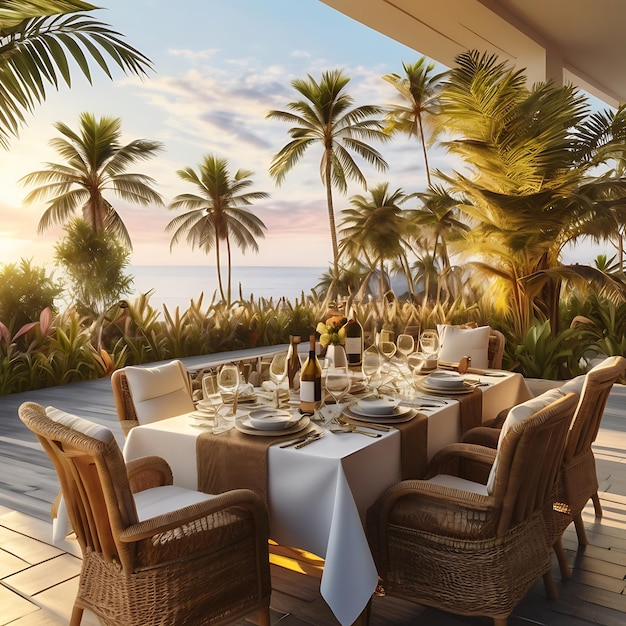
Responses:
[578,481]
[153,553]
[131,407]
[495,351]
[448,542]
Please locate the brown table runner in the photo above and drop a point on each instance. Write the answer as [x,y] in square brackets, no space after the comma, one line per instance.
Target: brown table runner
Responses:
[234,460]
[471,409]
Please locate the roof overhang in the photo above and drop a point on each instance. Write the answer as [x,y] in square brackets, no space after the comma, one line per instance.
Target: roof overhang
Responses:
[579,42]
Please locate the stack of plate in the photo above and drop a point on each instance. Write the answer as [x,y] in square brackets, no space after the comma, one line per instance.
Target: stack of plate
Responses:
[446,383]
[271,422]
[383,409]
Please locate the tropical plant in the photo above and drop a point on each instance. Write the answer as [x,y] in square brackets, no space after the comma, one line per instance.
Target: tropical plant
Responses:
[419,91]
[25,291]
[37,40]
[325,117]
[375,230]
[217,213]
[96,164]
[94,262]
[530,154]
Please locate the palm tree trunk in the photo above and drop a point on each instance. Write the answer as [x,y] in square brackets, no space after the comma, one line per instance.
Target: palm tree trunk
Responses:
[219,269]
[331,222]
[230,267]
[425,152]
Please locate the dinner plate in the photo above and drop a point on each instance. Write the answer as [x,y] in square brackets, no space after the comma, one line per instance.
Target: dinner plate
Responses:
[445,380]
[449,391]
[242,424]
[272,419]
[402,414]
[372,405]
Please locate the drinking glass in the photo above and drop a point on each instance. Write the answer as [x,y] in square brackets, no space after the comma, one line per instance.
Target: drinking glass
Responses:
[429,342]
[405,345]
[211,393]
[337,384]
[278,372]
[371,367]
[227,382]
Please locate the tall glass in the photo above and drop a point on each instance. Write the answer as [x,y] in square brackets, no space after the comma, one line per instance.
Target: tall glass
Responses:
[278,373]
[429,342]
[227,382]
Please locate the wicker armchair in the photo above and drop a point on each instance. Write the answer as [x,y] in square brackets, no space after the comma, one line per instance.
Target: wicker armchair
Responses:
[578,481]
[448,542]
[153,553]
[170,382]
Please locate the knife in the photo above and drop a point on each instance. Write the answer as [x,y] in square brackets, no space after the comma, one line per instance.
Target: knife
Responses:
[293,442]
[309,440]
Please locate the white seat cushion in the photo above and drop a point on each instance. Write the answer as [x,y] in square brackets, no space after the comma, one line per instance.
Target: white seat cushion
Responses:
[455,482]
[159,392]
[91,429]
[159,500]
[517,414]
[455,343]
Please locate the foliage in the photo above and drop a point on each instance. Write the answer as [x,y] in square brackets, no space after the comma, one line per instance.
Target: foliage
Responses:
[216,214]
[25,291]
[95,164]
[95,263]
[37,41]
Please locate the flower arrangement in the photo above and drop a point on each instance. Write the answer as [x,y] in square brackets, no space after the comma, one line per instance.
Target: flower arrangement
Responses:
[333,331]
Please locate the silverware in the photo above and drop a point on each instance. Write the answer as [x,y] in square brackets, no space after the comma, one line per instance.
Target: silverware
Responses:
[297,440]
[381,427]
[349,428]
[311,439]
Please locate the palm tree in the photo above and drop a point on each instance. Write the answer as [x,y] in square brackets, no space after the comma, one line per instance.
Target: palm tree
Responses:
[531,155]
[419,90]
[376,229]
[37,39]
[96,163]
[216,212]
[325,117]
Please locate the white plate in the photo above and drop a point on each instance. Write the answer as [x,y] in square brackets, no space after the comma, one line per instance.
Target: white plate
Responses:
[445,380]
[272,419]
[242,424]
[399,411]
[467,388]
[402,414]
[385,405]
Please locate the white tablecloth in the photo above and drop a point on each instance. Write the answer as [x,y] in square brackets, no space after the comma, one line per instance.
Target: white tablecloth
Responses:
[318,495]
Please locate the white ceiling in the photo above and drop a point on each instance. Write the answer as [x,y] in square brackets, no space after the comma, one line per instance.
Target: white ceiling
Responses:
[578,41]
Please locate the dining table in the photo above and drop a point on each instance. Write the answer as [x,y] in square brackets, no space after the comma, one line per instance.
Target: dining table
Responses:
[317,495]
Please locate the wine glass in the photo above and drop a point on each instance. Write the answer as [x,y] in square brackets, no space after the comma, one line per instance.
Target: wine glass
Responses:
[228,382]
[211,393]
[337,383]
[371,367]
[429,342]
[405,345]
[278,372]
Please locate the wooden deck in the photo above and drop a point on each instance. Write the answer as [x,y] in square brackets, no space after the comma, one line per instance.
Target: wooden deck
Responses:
[38,581]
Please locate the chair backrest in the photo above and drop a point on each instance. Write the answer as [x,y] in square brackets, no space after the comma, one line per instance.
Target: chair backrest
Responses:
[594,389]
[529,457]
[495,349]
[93,478]
[148,394]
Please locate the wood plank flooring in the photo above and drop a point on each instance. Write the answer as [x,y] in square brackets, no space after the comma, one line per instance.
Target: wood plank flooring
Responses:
[38,581]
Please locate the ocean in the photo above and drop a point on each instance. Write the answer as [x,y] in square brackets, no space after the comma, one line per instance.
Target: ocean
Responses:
[176,285]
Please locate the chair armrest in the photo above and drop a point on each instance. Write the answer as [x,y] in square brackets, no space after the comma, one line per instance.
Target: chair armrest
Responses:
[237,498]
[464,460]
[148,472]
[482,436]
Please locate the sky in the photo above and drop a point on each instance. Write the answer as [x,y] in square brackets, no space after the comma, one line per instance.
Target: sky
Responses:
[219,67]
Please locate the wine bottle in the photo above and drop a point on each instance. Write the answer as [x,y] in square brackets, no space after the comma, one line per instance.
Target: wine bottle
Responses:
[310,382]
[354,341]
[294,360]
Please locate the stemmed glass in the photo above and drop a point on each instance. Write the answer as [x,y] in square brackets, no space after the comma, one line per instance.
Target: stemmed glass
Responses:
[228,382]
[405,345]
[371,367]
[211,394]
[337,383]
[278,372]
[429,342]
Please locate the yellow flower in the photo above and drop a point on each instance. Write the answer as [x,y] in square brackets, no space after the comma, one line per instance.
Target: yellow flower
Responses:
[332,332]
